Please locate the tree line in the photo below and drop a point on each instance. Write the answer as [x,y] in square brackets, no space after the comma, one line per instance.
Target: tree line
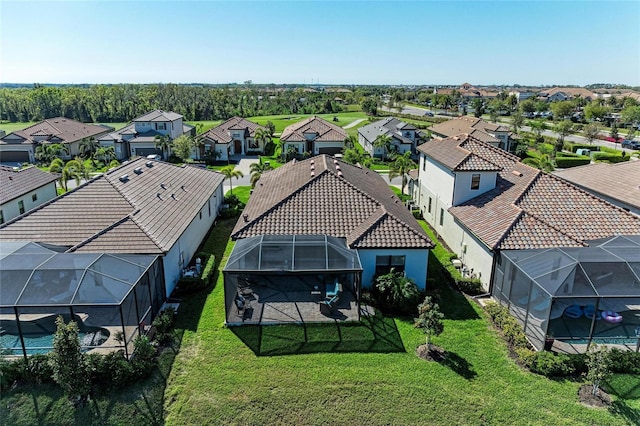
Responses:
[124,102]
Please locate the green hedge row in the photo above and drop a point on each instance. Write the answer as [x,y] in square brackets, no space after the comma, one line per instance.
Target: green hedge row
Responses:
[611,158]
[567,162]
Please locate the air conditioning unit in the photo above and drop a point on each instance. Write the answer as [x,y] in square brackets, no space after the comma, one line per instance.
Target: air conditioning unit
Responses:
[457,263]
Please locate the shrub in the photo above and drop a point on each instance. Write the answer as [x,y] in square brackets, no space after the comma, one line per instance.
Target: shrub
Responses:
[111,370]
[189,285]
[470,286]
[510,327]
[38,369]
[396,293]
[567,162]
[143,356]
[10,371]
[208,271]
[551,365]
[625,362]
[163,325]
[611,158]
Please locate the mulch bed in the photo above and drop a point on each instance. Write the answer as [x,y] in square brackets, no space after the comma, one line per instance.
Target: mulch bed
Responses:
[586,396]
[434,353]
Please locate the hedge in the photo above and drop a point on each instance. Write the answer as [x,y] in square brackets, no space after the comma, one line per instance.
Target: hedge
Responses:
[567,162]
[611,158]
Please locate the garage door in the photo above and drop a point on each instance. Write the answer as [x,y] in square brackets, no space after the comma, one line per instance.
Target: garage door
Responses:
[143,152]
[14,157]
[330,151]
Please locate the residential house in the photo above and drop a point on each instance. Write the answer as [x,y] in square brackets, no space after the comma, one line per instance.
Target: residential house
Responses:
[494,134]
[315,136]
[142,207]
[521,96]
[20,146]
[556,94]
[616,183]
[236,136]
[23,189]
[404,137]
[481,200]
[139,138]
[313,234]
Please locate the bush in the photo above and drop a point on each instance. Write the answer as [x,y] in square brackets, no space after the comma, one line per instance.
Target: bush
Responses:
[551,365]
[163,325]
[470,286]
[567,162]
[111,370]
[38,369]
[229,213]
[609,157]
[10,371]
[625,362]
[208,272]
[511,329]
[189,285]
[143,356]
[396,293]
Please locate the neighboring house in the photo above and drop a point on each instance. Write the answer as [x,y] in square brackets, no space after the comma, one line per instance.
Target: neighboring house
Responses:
[616,183]
[142,207]
[405,137]
[521,96]
[481,199]
[325,196]
[467,92]
[21,190]
[236,136]
[20,146]
[315,136]
[556,94]
[139,138]
[494,134]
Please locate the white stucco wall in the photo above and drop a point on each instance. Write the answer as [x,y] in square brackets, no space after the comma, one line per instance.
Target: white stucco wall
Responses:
[366,145]
[462,188]
[189,241]
[439,179]
[45,193]
[416,262]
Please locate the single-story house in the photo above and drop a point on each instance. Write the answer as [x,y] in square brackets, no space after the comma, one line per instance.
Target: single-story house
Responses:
[404,136]
[142,207]
[494,134]
[140,137]
[323,210]
[20,146]
[236,136]
[315,136]
[23,189]
[612,182]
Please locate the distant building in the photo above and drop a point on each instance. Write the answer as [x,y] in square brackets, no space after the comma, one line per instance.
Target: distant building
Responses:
[20,146]
[236,136]
[494,134]
[405,137]
[140,136]
[315,136]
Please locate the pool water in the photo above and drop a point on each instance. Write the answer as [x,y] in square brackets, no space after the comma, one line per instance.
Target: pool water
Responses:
[43,343]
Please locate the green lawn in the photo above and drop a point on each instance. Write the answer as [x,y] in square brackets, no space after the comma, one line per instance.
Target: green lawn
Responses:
[363,374]
[242,192]
[282,121]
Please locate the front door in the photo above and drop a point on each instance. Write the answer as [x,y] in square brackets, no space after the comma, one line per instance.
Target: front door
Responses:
[237,145]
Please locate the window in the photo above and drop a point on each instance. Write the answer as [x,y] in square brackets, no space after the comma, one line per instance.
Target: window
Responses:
[385,263]
[34,197]
[209,203]
[441,217]
[1,217]
[200,214]
[430,201]
[161,126]
[475,181]
[424,163]
[21,206]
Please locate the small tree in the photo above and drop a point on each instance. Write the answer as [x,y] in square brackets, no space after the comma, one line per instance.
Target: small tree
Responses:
[182,146]
[563,129]
[517,120]
[429,319]
[599,364]
[230,172]
[397,292]
[69,364]
[383,141]
[591,131]
[401,166]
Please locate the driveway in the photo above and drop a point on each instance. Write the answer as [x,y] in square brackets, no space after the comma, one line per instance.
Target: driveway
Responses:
[244,165]
[354,123]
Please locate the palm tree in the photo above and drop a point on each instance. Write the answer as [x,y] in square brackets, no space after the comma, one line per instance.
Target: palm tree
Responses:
[257,169]
[163,142]
[350,142]
[383,141]
[88,146]
[263,136]
[105,154]
[46,152]
[230,172]
[56,166]
[401,166]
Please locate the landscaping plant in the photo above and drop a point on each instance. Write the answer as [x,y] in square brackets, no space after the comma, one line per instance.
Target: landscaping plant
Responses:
[429,319]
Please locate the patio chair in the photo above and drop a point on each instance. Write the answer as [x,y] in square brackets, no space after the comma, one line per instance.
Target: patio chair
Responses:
[241,304]
[327,306]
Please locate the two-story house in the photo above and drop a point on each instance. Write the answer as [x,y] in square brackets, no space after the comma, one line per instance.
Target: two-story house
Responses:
[481,199]
[314,135]
[494,134]
[140,137]
[404,136]
[23,189]
[20,146]
[236,136]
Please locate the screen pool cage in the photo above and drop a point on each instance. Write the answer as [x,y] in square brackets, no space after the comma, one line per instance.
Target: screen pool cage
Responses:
[574,294]
[113,298]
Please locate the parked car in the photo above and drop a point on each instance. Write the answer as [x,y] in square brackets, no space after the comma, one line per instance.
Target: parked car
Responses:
[631,144]
[428,114]
[610,139]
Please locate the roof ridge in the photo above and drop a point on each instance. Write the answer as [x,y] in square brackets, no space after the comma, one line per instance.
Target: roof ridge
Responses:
[97,234]
[528,188]
[539,219]
[381,212]
[144,230]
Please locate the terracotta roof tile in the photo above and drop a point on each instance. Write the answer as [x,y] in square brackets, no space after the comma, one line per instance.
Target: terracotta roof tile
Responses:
[333,198]
[221,133]
[61,129]
[324,130]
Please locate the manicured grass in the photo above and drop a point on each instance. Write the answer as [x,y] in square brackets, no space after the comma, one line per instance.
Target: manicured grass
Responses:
[282,121]
[242,192]
[12,127]
[362,374]
[206,125]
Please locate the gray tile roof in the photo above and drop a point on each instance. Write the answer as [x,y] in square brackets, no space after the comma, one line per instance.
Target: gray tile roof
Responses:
[322,195]
[386,126]
[619,181]
[15,183]
[60,129]
[529,208]
[159,116]
[221,134]
[324,131]
[145,214]
[476,127]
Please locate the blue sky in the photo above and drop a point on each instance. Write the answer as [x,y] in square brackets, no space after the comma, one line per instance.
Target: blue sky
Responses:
[326,42]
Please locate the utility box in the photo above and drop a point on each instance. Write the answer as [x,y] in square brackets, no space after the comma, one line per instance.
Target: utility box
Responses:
[457,263]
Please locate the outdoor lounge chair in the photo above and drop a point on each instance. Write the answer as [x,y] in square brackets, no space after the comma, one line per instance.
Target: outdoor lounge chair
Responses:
[241,304]
[327,306]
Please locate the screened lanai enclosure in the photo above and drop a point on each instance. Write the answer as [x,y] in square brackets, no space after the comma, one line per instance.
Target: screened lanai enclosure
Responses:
[112,298]
[277,279]
[576,295]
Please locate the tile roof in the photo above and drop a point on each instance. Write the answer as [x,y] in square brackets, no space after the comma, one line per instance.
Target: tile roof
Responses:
[619,181]
[529,208]
[322,195]
[476,127]
[572,91]
[159,115]
[15,183]
[386,126]
[221,133]
[61,129]
[456,157]
[145,214]
[324,131]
